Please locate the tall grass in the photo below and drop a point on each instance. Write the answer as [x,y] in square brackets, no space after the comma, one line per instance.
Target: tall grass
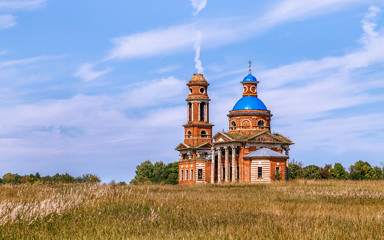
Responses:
[292,210]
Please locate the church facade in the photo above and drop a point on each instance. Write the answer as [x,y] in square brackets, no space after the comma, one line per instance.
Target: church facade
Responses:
[247,152]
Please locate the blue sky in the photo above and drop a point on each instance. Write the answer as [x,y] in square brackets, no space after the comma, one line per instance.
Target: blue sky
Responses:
[97,87]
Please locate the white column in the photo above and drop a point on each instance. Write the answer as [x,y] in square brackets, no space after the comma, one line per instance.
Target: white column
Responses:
[219,168]
[226,164]
[213,165]
[234,167]
[181,156]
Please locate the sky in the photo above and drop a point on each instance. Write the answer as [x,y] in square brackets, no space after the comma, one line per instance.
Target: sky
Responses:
[98,87]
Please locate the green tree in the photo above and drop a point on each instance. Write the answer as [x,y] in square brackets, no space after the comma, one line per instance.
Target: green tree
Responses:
[158,172]
[144,173]
[295,171]
[171,173]
[377,173]
[311,172]
[339,171]
[361,170]
[11,178]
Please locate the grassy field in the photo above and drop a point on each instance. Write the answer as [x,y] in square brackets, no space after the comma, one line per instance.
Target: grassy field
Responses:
[292,210]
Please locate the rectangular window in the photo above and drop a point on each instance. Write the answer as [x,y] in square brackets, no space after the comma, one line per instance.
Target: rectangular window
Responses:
[260,172]
[186,175]
[223,172]
[200,174]
[238,172]
[191,174]
[182,175]
[277,170]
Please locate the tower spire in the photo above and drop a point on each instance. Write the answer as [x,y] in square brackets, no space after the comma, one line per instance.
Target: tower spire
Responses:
[250,64]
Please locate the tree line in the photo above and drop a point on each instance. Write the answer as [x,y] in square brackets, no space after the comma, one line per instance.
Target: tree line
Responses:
[10,178]
[160,173]
[359,171]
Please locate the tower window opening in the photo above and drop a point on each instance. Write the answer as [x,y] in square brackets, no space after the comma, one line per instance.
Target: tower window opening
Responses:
[260,123]
[233,124]
[189,134]
[253,89]
[202,111]
[190,90]
[189,111]
[204,134]
[202,90]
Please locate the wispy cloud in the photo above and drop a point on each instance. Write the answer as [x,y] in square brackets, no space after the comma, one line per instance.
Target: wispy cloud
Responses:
[10,5]
[198,5]
[152,43]
[288,10]
[368,24]
[166,69]
[182,37]
[87,72]
[7,21]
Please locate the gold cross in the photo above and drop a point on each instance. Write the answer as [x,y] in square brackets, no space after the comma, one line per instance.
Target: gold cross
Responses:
[250,64]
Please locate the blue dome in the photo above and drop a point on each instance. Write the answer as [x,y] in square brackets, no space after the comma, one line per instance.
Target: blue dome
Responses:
[250,78]
[249,103]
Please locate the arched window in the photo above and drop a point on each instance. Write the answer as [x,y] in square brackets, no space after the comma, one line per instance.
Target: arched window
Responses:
[204,134]
[186,175]
[189,134]
[260,123]
[202,111]
[182,175]
[191,174]
[233,124]
[202,90]
[246,124]
[253,89]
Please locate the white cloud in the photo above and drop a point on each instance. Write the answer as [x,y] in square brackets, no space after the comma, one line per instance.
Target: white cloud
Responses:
[198,63]
[368,25]
[87,72]
[24,4]
[198,5]
[152,43]
[217,32]
[7,21]
[288,10]
[166,69]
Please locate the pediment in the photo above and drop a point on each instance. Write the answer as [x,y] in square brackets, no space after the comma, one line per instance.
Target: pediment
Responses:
[222,137]
[181,146]
[205,145]
[265,137]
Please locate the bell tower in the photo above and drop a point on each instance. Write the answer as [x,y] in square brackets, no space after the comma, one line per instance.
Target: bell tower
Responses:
[198,130]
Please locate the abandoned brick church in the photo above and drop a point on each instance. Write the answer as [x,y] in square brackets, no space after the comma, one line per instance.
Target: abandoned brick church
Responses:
[248,152]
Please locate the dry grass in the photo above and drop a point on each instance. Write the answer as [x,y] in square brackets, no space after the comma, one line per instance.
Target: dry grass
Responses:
[293,210]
